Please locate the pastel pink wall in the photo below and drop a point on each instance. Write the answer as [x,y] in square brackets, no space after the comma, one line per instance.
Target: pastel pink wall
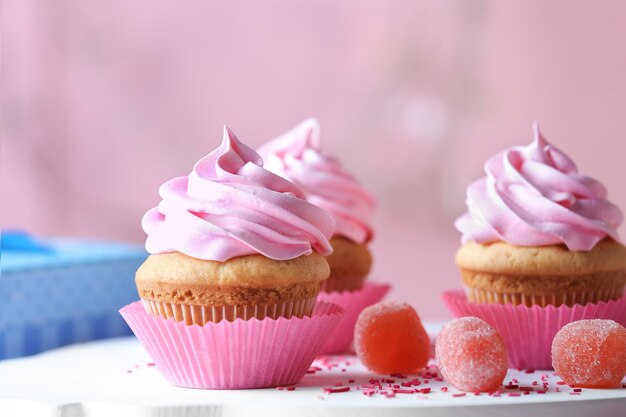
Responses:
[105,100]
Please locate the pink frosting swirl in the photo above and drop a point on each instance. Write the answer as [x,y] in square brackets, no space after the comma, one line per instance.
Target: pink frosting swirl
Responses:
[533,196]
[231,206]
[296,156]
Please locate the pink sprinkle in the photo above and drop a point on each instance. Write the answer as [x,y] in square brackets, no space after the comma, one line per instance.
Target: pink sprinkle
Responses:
[150,364]
[444,389]
[427,390]
[561,383]
[439,379]
[461,394]
[334,390]
[280,388]
[577,390]
[367,386]
[291,388]
[411,383]
[314,369]
[426,381]
[529,371]
[535,383]
[510,386]
[389,381]
[476,393]
[514,381]
[404,391]
[429,374]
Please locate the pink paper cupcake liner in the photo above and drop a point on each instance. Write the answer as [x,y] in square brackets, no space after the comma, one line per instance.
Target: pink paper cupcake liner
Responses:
[528,331]
[233,355]
[353,302]
[477,295]
[195,314]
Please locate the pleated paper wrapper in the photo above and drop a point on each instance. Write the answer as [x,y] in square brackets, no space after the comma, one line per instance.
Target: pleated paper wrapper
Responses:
[233,354]
[201,315]
[528,331]
[353,302]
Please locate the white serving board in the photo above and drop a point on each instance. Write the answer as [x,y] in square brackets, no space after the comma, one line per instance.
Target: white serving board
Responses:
[93,380]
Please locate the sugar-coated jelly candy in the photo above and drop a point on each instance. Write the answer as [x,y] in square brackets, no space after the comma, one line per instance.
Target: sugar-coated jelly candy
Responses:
[471,355]
[590,353]
[389,338]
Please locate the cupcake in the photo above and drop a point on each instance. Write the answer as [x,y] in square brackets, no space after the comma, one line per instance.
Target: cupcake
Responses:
[232,240]
[228,294]
[540,250]
[538,233]
[296,156]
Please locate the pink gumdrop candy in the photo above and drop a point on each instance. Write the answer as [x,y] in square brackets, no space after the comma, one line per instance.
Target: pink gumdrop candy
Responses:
[389,339]
[471,355]
[590,353]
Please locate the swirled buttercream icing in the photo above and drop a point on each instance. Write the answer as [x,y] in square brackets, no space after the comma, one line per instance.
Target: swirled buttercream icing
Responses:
[534,196]
[229,206]
[296,156]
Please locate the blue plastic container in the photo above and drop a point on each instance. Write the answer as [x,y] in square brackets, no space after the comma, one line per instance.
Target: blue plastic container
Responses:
[61,291]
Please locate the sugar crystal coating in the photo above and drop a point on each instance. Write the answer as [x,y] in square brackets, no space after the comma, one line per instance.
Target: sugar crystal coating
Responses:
[590,353]
[389,338]
[471,355]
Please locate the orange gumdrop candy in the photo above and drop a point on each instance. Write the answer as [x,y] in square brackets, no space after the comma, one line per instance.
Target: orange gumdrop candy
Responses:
[471,355]
[590,353]
[389,338]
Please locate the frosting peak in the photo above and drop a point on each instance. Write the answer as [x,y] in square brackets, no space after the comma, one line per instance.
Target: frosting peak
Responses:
[534,196]
[296,156]
[229,206]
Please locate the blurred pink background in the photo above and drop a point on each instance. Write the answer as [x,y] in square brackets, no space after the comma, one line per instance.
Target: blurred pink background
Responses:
[105,100]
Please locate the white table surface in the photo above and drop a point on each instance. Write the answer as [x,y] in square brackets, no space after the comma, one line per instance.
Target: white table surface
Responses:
[114,378]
